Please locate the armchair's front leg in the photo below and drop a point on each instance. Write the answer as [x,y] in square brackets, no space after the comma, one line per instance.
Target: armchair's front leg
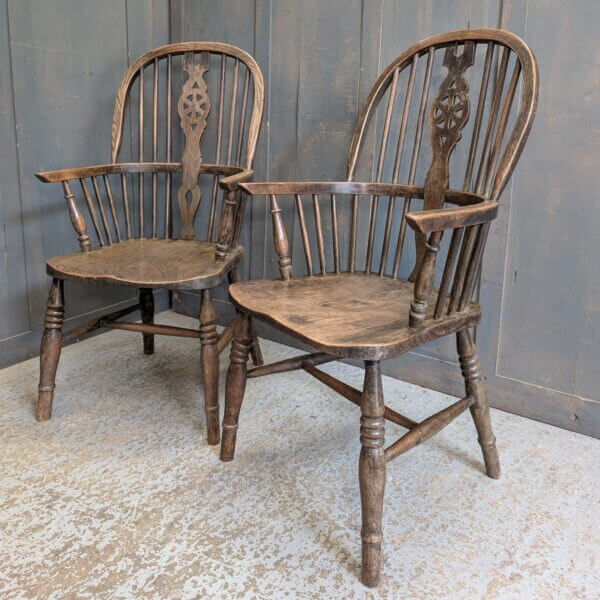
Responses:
[371,472]
[50,349]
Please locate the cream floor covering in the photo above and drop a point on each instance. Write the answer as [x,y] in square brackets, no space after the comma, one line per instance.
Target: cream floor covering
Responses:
[119,496]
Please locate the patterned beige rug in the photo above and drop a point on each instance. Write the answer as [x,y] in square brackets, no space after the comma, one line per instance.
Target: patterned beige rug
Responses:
[119,496]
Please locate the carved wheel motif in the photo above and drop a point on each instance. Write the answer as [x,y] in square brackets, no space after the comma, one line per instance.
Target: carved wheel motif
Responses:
[193,108]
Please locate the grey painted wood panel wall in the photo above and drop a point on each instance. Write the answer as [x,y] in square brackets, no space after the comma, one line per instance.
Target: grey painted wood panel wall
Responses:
[60,65]
[59,68]
[539,338]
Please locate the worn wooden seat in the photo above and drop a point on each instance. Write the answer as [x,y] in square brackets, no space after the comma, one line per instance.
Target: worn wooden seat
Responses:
[349,315]
[123,212]
[148,263]
[355,283]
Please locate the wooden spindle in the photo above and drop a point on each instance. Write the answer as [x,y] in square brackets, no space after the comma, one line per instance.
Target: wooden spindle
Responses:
[448,270]
[280,241]
[125,197]
[77,219]
[102,211]
[479,115]
[320,244]
[92,211]
[414,159]
[213,201]
[424,281]
[401,238]
[386,235]
[504,114]
[421,117]
[461,268]
[474,265]
[111,204]
[236,69]
[238,156]
[498,87]
[169,153]
[154,141]
[386,125]
[353,227]
[141,152]
[373,208]
[334,228]
[304,234]
[403,123]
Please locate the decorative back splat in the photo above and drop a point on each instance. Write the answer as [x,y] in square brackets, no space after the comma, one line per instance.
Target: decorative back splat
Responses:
[193,108]
[447,116]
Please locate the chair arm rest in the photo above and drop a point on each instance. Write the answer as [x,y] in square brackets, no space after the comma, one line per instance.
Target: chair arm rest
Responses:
[428,221]
[108,169]
[331,187]
[232,181]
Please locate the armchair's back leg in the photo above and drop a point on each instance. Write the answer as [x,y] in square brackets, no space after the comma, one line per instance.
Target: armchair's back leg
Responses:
[371,472]
[255,351]
[50,349]
[210,366]
[235,385]
[480,411]
[147,315]
[254,346]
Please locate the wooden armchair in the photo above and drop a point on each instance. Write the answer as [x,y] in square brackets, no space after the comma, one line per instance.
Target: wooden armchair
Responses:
[353,286]
[123,216]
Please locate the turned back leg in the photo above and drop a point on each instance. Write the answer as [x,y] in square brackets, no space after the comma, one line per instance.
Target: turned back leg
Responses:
[50,349]
[254,345]
[235,385]
[210,366]
[147,315]
[371,472]
[480,411]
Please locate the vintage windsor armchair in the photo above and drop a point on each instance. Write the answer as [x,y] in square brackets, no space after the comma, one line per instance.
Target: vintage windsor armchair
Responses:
[128,205]
[356,287]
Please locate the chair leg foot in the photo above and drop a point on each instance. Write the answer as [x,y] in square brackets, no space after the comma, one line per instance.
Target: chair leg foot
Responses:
[209,359]
[50,349]
[255,351]
[147,313]
[235,385]
[480,411]
[371,472]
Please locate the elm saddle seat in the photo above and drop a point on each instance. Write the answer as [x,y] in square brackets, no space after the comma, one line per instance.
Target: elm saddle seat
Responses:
[351,315]
[148,263]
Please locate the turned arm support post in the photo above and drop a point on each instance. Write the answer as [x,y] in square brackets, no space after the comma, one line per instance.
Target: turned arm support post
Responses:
[424,282]
[77,219]
[232,213]
[280,240]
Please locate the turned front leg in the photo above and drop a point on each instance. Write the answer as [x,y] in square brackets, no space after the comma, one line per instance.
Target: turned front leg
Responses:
[50,349]
[371,472]
[480,411]
[210,366]
[147,315]
[235,385]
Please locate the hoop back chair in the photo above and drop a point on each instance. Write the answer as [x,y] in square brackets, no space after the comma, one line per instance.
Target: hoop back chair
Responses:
[123,213]
[354,285]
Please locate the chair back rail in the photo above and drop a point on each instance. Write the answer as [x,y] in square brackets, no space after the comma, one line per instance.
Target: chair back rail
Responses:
[193,108]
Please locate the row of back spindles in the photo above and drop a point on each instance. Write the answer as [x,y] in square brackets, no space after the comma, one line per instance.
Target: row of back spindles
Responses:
[376,258]
[458,270]
[113,210]
[230,110]
[410,97]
